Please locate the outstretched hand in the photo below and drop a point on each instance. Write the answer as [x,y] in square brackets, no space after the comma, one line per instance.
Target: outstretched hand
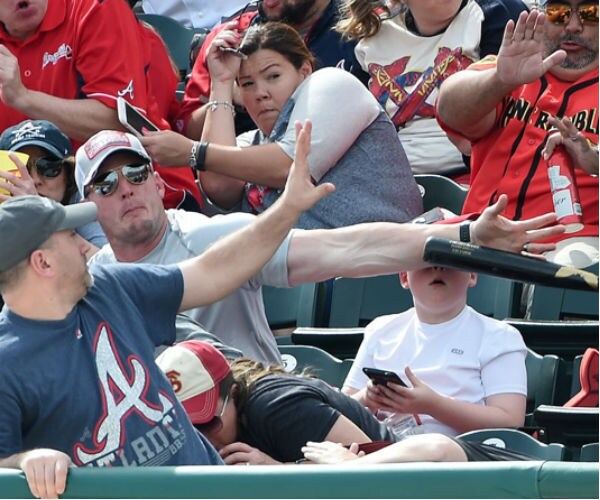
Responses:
[300,191]
[521,57]
[494,230]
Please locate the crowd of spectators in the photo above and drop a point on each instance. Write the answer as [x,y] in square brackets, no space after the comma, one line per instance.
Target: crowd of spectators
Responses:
[290,158]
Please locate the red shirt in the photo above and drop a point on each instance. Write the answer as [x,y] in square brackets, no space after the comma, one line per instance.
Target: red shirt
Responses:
[508,159]
[89,49]
[199,83]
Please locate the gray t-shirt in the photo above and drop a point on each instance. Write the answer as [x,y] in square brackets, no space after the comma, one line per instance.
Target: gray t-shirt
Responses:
[354,145]
[239,320]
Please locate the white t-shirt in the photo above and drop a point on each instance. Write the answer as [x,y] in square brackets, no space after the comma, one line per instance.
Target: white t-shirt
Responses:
[468,358]
[406,71]
[193,13]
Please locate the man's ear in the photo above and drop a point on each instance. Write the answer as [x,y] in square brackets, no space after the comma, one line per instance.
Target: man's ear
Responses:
[38,260]
[403,275]
[160,184]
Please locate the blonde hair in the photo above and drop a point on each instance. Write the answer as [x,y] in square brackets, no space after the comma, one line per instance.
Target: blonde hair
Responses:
[362,18]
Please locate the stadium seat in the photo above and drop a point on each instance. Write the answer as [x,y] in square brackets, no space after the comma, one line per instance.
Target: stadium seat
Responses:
[176,37]
[440,191]
[561,303]
[339,342]
[291,307]
[566,339]
[542,382]
[574,427]
[357,301]
[320,363]
[516,440]
[589,452]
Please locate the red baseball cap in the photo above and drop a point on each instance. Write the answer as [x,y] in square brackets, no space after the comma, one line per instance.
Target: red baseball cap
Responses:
[195,370]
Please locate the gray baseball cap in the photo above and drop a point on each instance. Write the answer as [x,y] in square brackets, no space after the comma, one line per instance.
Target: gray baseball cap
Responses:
[28,221]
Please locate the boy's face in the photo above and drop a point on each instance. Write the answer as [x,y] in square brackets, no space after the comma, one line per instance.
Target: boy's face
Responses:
[438,290]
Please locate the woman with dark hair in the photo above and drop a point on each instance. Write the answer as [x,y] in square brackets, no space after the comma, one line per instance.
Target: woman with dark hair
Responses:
[263,415]
[49,171]
[354,144]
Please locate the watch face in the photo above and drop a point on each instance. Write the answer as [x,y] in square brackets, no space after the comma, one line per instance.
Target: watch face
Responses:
[465,232]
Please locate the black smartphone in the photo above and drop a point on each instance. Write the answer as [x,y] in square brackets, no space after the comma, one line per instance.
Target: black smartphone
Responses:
[132,119]
[383,376]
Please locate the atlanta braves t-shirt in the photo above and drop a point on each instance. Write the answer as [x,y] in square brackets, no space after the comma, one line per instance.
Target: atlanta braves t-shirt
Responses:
[88,385]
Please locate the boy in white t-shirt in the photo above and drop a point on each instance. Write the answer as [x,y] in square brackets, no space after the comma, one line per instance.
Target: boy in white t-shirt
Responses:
[464,371]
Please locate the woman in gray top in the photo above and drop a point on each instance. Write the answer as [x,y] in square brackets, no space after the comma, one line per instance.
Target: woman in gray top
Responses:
[354,144]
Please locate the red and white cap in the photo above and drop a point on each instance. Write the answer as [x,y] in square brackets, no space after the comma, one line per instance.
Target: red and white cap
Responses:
[195,370]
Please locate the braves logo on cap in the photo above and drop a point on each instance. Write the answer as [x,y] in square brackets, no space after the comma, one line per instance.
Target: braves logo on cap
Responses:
[108,139]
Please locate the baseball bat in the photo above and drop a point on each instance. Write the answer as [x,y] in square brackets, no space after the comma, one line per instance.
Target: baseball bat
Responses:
[478,259]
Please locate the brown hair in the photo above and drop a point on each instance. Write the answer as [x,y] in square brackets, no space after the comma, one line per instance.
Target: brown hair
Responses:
[362,18]
[278,37]
[71,187]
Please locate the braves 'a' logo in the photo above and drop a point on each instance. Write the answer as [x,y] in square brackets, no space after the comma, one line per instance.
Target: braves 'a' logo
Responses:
[403,94]
[123,389]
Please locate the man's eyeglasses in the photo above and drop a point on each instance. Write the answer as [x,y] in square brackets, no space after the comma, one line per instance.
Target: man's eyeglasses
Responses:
[215,424]
[560,13]
[106,184]
[46,167]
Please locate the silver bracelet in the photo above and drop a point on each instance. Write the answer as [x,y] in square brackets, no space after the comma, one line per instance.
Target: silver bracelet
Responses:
[213,105]
[194,154]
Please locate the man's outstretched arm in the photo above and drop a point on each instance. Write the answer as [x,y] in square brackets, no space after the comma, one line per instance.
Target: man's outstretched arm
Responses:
[386,248]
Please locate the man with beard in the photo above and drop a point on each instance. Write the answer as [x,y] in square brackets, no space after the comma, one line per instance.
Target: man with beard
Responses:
[313,19]
[541,91]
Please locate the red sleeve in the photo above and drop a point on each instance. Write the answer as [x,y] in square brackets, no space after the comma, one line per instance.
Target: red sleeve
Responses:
[110,55]
[198,85]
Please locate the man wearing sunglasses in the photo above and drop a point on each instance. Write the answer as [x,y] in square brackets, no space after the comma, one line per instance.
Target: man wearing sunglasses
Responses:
[79,382]
[119,179]
[541,91]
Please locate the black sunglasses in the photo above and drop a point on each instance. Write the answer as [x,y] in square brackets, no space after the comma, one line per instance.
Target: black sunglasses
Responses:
[560,13]
[106,184]
[46,167]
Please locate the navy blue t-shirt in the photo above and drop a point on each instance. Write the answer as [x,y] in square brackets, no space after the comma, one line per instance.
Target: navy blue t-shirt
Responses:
[88,385]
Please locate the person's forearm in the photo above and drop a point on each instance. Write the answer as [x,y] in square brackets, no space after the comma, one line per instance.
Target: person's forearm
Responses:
[195,123]
[361,250]
[77,118]
[236,258]
[266,164]
[467,101]
[464,417]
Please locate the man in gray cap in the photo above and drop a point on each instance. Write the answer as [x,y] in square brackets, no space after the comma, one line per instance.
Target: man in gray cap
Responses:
[79,382]
[131,212]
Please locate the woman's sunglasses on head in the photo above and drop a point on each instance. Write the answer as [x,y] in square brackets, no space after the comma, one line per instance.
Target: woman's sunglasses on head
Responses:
[46,167]
[560,13]
[106,184]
